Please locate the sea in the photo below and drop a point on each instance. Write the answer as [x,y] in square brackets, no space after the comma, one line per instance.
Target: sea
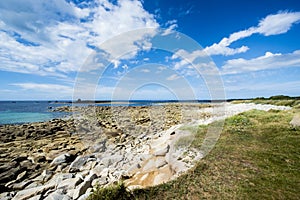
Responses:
[20,112]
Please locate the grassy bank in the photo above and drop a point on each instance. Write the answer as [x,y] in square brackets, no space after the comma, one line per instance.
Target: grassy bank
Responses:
[256,157]
[279,100]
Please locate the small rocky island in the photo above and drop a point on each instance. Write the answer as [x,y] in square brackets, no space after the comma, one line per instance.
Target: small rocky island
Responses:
[101,145]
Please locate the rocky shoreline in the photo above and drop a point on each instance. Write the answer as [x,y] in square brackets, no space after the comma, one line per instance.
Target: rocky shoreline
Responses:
[66,159]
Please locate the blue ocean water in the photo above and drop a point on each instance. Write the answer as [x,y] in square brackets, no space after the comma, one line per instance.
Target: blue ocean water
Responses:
[17,112]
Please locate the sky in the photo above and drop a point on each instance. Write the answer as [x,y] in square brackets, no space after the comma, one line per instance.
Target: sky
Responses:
[151,49]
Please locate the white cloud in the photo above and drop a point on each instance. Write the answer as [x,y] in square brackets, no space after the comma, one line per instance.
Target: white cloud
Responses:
[41,91]
[187,58]
[268,61]
[193,64]
[172,25]
[55,37]
[278,23]
[219,49]
[44,87]
[127,45]
[160,69]
[145,70]
[173,77]
[271,25]
[125,67]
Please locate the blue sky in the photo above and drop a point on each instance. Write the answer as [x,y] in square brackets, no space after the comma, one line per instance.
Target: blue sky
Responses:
[64,49]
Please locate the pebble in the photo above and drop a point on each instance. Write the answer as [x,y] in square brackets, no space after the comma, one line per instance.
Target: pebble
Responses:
[63,158]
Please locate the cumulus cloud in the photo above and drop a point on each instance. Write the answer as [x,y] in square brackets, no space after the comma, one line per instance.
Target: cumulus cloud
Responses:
[267,61]
[55,37]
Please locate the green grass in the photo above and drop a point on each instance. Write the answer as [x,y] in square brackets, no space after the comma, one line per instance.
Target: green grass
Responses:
[112,192]
[256,157]
[295,103]
[196,137]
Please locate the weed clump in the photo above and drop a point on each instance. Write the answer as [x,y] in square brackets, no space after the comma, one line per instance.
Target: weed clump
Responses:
[111,192]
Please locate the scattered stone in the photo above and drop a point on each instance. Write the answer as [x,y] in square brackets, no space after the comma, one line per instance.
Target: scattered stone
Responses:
[70,193]
[84,196]
[78,163]
[19,159]
[21,175]
[99,181]
[81,189]
[88,166]
[57,195]
[32,185]
[133,168]
[97,169]
[40,159]
[149,166]
[162,152]
[27,193]
[6,196]
[90,177]
[70,183]
[46,175]
[29,165]
[160,178]
[37,197]
[161,161]
[89,190]
[20,186]
[114,159]
[58,178]
[104,172]
[9,172]
[63,158]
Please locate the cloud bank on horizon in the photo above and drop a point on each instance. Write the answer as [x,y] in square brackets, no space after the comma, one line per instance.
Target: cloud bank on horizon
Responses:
[43,44]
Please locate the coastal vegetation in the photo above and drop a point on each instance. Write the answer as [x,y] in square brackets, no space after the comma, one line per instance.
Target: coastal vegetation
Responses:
[278,100]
